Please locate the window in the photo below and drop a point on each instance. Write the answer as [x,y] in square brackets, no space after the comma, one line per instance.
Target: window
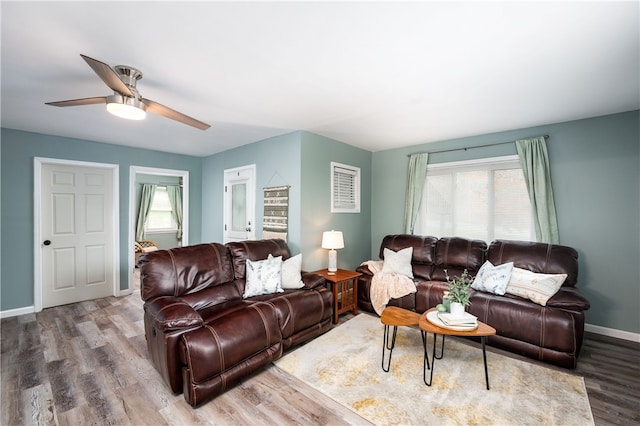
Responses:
[345,188]
[483,199]
[160,217]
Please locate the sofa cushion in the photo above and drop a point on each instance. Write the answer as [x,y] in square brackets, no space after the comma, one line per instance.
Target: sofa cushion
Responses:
[536,287]
[493,279]
[454,255]
[537,257]
[255,250]
[291,277]
[398,262]
[230,340]
[263,276]
[423,251]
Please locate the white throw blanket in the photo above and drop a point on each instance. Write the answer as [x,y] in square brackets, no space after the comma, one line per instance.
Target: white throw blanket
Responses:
[387,286]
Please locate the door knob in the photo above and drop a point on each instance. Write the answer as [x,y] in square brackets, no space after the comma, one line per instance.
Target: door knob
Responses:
[47,242]
[248,229]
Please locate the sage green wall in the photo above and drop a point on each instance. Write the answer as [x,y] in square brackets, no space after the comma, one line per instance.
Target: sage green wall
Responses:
[317,154]
[18,150]
[302,160]
[277,163]
[595,168]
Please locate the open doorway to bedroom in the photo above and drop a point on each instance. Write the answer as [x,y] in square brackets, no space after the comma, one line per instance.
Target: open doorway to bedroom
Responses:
[158,212]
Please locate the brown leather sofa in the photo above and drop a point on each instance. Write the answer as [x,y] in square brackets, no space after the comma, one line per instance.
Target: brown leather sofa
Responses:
[551,333]
[202,336]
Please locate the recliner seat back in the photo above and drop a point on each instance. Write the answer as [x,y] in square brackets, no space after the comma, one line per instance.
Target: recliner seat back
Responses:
[454,255]
[183,271]
[537,257]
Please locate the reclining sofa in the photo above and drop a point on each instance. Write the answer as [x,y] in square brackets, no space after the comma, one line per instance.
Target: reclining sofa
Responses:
[551,333]
[202,335]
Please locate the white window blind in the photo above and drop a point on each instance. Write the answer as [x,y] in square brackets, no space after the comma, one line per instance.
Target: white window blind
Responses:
[345,188]
[485,199]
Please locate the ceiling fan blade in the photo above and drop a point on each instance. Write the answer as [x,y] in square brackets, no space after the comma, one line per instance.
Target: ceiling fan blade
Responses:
[108,75]
[167,112]
[77,102]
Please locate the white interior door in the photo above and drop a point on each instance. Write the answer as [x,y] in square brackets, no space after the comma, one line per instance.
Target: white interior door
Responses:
[239,203]
[77,233]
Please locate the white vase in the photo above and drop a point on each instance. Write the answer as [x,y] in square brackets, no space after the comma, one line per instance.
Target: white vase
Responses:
[457,309]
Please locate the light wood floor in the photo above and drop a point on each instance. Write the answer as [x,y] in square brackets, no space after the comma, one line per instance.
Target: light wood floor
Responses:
[86,363]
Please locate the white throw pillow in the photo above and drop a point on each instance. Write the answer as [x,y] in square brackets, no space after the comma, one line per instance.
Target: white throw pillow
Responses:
[493,279]
[263,276]
[536,287]
[398,262]
[290,276]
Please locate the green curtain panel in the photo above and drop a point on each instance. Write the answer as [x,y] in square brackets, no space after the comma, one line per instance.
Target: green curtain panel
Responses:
[415,185]
[535,166]
[175,199]
[146,197]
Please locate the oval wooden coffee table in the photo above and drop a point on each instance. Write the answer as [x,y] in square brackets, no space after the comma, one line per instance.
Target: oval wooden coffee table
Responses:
[393,316]
[427,327]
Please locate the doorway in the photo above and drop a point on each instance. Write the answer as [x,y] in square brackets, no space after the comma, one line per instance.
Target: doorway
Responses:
[134,172]
[239,203]
[75,231]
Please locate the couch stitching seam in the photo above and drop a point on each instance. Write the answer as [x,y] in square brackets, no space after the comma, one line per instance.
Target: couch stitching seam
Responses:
[184,339]
[175,273]
[264,321]
[223,368]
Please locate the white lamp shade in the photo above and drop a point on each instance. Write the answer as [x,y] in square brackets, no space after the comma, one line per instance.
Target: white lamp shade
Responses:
[332,240]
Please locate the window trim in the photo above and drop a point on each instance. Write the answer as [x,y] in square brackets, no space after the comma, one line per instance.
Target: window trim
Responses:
[355,195]
[172,229]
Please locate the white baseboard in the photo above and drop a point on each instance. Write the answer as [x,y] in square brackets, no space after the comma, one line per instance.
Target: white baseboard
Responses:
[612,332]
[125,292]
[16,312]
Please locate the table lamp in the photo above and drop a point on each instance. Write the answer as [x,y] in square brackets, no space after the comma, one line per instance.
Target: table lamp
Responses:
[332,240]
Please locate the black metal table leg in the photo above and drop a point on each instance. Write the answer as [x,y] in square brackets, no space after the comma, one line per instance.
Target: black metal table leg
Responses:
[433,358]
[441,347]
[388,346]
[426,361]
[484,356]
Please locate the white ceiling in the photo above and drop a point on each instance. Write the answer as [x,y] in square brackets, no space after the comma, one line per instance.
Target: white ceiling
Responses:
[373,75]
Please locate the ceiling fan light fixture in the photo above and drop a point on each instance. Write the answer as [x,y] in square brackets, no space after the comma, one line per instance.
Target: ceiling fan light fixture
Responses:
[126,107]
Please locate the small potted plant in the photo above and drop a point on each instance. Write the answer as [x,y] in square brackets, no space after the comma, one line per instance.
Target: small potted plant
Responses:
[459,292]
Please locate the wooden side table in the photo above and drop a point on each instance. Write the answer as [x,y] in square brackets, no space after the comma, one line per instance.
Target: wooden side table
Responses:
[344,285]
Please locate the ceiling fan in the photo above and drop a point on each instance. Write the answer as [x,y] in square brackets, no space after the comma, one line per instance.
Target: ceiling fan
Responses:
[126,101]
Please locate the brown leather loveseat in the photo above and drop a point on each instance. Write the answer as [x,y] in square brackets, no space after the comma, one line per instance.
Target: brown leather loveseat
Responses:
[202,335]
[551,333]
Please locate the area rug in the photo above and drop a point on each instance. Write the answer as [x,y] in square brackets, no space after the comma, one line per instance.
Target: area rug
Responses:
[345,364]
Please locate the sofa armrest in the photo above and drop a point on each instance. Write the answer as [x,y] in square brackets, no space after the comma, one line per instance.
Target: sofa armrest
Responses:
[569,298]
[171,313]
[312,280]
[364,270]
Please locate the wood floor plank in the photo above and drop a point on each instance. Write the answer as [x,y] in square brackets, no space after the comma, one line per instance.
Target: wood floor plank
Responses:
[137,407]
[61,378]
[11,408]
[39,406]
